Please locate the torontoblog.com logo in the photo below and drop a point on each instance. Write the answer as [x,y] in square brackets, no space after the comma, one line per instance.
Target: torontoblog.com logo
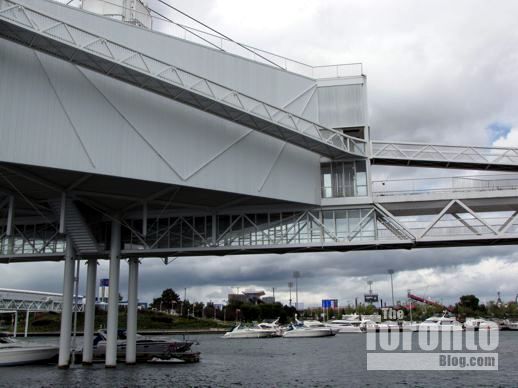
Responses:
[439,344]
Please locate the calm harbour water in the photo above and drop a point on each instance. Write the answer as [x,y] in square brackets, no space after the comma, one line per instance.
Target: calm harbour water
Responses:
[306,362]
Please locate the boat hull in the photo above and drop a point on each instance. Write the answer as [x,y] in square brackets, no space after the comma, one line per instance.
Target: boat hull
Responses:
[24,355]
[302,333]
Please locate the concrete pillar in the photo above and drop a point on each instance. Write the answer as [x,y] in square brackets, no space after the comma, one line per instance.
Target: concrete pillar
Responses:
[131,334]
[91,280]
[113,296]
[66,311]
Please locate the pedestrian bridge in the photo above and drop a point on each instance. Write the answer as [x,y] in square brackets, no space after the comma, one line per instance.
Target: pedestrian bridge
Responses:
[123,139]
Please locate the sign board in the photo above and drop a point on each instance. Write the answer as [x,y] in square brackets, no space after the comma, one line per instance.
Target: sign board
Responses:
[329,303]
[371,298]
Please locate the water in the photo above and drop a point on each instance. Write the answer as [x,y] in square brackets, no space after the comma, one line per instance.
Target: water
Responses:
[306,362]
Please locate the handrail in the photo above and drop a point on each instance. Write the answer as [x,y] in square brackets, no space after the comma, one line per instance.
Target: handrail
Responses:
[174,82]
[208,39]
[412,186]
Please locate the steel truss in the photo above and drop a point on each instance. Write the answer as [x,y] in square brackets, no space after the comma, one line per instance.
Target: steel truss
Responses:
[8,304]
[415,154]
[63,40]
[340,228]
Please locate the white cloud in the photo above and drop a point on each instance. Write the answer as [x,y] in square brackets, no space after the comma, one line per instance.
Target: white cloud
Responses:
[509,140]
[438,71]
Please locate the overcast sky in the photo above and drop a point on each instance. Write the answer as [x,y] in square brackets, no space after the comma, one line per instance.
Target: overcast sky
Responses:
[438,71]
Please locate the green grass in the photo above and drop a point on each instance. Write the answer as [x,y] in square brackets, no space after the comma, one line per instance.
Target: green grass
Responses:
[146,320]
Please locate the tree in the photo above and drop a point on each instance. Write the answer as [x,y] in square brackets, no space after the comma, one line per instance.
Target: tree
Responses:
[169,299]
[470,302]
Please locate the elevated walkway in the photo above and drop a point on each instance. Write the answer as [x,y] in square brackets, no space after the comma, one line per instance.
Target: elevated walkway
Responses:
[48,34]
[444,156]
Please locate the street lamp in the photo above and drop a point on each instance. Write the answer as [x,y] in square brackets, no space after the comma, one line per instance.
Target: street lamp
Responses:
[290,286]
[296,275]
[391,272]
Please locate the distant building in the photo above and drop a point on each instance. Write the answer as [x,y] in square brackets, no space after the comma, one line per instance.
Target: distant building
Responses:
[249,296]
[268,299]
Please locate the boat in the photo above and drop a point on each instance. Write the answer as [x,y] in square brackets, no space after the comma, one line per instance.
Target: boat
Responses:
[308,329]
[409,326]
[511,325]
[147,348]
[443,323]
[480,324]
[389,326]
[262,330]
[13,352]
[368,326]
[344,326]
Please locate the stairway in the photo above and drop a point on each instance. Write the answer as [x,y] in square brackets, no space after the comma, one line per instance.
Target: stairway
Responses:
[75,226]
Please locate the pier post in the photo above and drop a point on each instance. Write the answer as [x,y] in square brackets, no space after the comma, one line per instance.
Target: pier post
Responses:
[91,278]
[131,334]
[66,311]
[113,296]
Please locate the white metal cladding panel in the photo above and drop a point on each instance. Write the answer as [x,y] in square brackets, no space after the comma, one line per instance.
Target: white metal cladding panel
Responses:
[57,115]
[342,106]
[266,83]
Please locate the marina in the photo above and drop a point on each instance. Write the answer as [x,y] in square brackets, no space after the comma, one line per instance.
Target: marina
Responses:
[328,361]
[142,148]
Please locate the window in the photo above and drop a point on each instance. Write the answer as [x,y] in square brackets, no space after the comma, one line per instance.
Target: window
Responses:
[344,179]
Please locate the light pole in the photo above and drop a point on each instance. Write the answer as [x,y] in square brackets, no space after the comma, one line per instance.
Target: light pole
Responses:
[296,275]
[391,272]
[290,286]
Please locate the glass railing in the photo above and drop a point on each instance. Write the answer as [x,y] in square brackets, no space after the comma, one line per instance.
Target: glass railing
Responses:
[447,185]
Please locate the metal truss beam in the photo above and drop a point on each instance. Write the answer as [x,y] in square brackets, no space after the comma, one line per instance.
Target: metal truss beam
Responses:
[444,156]
[63,40]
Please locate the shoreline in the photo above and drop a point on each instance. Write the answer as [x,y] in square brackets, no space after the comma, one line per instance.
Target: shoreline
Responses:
[141,332]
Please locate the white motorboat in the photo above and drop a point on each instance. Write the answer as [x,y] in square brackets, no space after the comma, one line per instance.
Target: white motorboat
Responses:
[389,326]
[345,326]
[13,352]
[368,326]
[263,330]
[309,329]
[443,323]
[409,326]
[147,348]
[511,325]
[480,324]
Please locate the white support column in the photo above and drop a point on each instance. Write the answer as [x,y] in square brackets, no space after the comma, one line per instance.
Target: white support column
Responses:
[66,312]
[91,279]
[15,329]
[113,296]
[62,212]
[26,333]
[10,225]
[131,333]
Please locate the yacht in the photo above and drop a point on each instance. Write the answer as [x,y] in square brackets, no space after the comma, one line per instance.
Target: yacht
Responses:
[479,324]
[368,326]
[263,330]
[309,329]
[443,323]
[511,325]
[345,326]
[147,348]
[13,352]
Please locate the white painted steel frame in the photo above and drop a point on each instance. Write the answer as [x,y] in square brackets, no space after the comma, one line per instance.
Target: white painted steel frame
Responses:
[447,156]
[42,32]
